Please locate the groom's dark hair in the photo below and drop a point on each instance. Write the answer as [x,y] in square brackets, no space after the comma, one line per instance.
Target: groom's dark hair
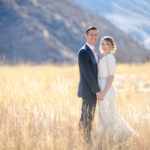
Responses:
[90,28]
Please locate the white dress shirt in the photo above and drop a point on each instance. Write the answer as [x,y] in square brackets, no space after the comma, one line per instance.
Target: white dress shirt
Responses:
[92,49]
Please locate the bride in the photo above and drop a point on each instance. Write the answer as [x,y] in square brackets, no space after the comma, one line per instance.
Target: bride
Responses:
[109,119]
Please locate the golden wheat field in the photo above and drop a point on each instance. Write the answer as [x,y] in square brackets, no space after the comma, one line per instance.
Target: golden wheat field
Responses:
[39,109]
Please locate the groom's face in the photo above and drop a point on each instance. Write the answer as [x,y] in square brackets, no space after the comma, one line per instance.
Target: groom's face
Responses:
[92,37]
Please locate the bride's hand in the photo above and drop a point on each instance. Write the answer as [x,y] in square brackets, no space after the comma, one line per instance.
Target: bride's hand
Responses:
[98,95]
[101,96]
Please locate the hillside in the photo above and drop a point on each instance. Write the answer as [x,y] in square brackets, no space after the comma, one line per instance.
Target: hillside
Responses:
[52,30]
[130,16]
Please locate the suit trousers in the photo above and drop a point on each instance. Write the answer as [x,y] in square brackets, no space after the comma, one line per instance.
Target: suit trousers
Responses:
[87,116]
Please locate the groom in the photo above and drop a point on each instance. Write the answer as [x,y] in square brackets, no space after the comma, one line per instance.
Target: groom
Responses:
[88,87]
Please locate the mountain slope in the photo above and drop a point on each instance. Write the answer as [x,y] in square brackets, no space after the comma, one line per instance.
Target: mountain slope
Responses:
[130,16]
[53,30]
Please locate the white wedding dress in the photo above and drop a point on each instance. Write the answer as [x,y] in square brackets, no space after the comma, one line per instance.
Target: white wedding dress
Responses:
[109,119]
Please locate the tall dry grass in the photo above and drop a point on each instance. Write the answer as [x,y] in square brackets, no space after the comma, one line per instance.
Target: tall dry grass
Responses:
[39,109]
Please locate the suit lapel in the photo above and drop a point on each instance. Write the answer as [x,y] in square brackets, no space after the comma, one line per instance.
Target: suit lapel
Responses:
[90,51]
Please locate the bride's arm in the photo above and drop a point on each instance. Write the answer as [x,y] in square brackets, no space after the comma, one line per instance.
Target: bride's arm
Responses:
[110,62]
[108,84]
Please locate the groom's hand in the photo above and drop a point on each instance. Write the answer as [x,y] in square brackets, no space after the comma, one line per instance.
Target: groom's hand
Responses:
[99,96]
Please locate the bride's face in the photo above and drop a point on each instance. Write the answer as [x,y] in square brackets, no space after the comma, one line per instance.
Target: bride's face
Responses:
[105,47]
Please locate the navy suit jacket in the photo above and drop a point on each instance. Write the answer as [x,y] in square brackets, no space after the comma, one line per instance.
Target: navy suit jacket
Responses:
[88,84]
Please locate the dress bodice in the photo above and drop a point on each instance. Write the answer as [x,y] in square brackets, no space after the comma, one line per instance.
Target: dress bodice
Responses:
[106,66]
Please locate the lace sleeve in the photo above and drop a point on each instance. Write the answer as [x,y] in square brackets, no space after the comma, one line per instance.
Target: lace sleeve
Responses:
[111,63]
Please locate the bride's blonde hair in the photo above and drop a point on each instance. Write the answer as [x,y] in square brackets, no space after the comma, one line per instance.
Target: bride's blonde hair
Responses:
[109,40]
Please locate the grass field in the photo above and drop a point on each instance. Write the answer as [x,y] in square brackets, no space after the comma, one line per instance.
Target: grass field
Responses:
[39,109]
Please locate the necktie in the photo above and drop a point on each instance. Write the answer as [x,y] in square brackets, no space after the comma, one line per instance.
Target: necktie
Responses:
[96,55]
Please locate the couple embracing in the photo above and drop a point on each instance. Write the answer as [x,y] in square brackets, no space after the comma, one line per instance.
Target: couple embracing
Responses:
[96,77]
